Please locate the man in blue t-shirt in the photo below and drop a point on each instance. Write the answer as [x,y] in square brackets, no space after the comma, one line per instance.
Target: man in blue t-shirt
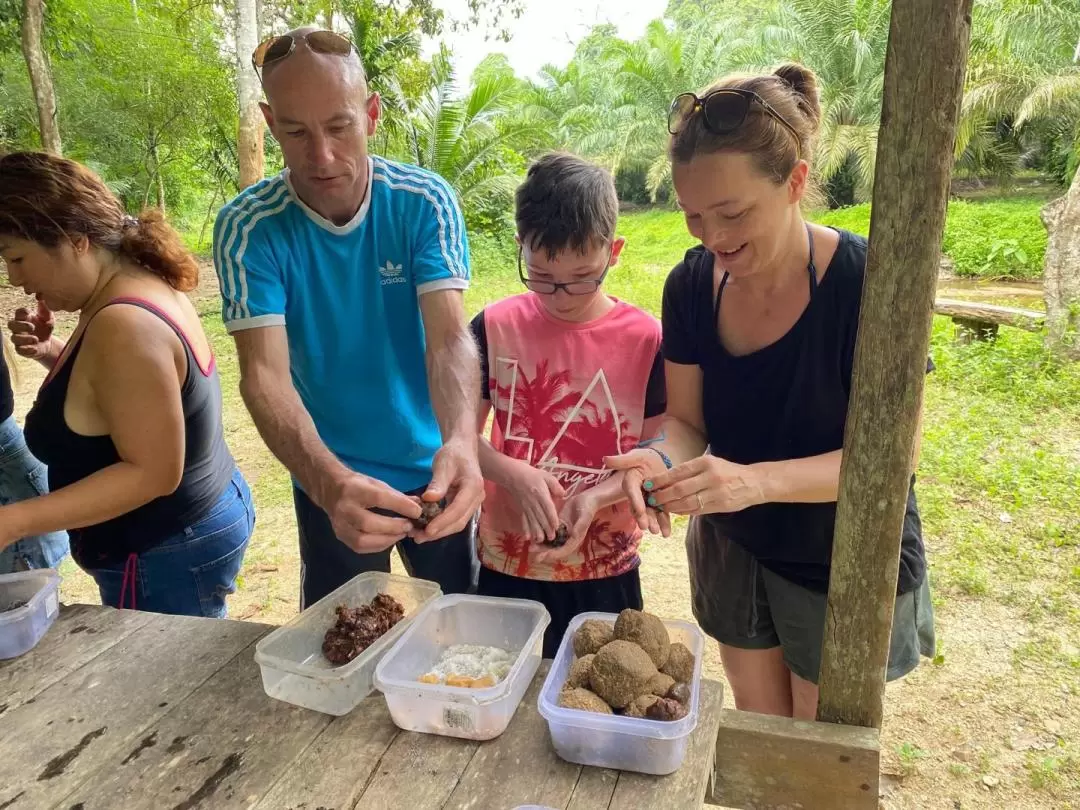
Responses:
[342,280]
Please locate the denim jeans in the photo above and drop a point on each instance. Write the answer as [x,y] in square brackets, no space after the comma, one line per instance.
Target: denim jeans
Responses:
[191,572]
[22,476]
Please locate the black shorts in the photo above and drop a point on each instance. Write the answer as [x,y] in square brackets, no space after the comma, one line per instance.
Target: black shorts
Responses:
[326,563]
[742,604]
[565,600]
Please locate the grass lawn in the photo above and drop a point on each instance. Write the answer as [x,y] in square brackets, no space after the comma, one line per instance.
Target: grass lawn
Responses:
[994,721]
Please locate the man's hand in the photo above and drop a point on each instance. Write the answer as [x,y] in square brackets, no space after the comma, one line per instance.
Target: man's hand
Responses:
[31,333]
[455,475]
[577,515]
[350,506]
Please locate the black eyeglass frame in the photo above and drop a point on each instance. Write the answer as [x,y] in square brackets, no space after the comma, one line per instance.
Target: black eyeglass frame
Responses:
[594,283]
[701,105]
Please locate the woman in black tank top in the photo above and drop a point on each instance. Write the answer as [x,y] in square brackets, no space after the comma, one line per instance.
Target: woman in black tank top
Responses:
[760,323]
[128,420]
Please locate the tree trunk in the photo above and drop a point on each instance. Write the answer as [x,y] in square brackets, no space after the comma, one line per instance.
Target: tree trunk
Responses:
[37,63]
[925,62]
[249,141]
[1061,272]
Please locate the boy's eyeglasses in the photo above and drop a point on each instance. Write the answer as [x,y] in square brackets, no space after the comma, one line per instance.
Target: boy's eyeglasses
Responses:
[274,49]
[724,111]
[583,287]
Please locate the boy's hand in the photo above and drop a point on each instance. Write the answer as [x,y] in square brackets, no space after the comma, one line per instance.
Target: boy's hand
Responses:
[536,491]
[577,515]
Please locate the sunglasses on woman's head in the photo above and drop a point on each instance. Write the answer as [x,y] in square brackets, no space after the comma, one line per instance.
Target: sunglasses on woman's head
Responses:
[277,48]
[723,111]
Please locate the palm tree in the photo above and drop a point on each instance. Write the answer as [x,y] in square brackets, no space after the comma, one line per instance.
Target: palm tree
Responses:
[843,42]
[1023,83]
[461,137]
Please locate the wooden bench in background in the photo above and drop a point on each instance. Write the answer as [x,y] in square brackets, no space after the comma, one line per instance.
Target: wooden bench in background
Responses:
[978,321]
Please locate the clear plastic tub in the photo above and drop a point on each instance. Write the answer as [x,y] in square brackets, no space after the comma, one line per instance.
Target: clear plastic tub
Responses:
[457,711]
[291,660]
[610,741]
[36,593]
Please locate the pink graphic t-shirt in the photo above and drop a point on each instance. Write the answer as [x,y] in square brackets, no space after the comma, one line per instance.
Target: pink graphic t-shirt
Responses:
[564,396]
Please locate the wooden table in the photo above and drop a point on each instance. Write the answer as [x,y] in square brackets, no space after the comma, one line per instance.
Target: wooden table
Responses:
[121,710]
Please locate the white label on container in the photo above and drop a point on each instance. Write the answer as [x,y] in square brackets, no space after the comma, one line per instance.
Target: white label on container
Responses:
[459,719]
[51,605]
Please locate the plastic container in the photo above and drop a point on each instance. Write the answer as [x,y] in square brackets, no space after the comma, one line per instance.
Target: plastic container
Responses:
[457,711]
[22,628]
[291,660]
[610,741]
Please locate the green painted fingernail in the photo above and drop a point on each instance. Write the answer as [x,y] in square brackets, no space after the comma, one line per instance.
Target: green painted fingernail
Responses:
[648,485]
[652,500]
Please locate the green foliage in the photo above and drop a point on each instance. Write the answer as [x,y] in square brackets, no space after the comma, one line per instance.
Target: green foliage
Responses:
[1001,238]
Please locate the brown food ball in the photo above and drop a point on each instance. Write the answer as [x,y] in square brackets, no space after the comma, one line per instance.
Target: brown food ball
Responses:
[666,709]
[680,663]
[429,510]
[645,630]
[583,700]
[579,672]
[680,692]
[659,684]
[591,636]
[640,705]
[620,672]
[562,534]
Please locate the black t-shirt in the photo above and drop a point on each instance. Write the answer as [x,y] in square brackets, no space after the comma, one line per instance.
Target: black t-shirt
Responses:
[787,400]
[7,397]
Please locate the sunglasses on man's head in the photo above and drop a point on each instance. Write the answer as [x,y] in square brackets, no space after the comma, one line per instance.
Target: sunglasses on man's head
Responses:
[723,111]
[277,48]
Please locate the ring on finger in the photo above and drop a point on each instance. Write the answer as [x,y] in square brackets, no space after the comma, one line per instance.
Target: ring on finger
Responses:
[700,504]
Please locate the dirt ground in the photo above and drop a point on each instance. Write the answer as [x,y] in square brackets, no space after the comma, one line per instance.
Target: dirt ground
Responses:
[960,733]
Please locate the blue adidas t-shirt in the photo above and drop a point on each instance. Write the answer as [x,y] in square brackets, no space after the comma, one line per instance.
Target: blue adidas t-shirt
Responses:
[348,297]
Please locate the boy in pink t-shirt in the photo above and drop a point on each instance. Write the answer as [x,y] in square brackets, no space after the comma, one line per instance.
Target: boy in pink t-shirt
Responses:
[573,375]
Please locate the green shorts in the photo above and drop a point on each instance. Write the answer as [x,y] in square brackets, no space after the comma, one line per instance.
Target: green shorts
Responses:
[742,604]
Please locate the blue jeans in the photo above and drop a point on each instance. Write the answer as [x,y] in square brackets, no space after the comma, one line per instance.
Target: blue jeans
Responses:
[21,477]
[189,573]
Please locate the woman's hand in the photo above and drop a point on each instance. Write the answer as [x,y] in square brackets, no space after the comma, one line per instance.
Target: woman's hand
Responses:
[637,466]
[705,485]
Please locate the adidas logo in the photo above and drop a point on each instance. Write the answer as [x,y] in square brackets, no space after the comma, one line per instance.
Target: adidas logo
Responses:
[391,274]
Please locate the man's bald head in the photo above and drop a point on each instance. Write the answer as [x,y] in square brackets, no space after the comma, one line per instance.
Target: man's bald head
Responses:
[307,63]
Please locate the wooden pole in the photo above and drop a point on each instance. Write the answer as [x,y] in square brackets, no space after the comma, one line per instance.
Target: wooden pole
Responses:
[924,77]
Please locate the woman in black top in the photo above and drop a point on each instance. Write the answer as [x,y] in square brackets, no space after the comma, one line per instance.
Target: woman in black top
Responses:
[129,419]
[22,476]
[759,338]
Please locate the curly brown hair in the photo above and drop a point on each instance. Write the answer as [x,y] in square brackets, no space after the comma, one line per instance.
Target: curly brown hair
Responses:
[48,199]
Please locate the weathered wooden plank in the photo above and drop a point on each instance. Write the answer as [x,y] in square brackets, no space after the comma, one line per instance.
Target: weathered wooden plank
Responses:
[79,634]
[688,785]
[223,747]
[594,788]
[417,772]
[334,770]
[85,719]
[925,63]
[518,767]
[1029,319]
[765,762]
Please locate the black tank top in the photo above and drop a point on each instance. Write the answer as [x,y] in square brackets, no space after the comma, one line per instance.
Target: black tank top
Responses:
[208,465]
[7,398]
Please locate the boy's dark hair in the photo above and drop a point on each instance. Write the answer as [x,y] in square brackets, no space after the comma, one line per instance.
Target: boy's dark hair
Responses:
[566,202]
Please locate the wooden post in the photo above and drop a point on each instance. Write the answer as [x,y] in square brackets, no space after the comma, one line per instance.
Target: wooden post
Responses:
[924,77]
